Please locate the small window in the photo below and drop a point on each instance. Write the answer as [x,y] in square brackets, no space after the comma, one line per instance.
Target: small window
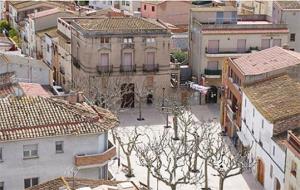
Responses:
[104,40]
[273,150]
[153,8]
[1,185]
[31,182]
[145,7]
[30,151]
[128,40]
[271,171]
[262,123]
[59,146]
[294,169]
[293,37]
[253,112]
[48,48]
[127,3]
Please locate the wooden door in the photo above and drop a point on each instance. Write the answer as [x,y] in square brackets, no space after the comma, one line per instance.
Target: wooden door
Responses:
[260,172]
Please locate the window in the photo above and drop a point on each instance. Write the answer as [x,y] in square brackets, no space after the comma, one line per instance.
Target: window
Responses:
[128,40]
[241,45]
[293,37]
[294,169]
[271,171]
[48,48]
[104,40]
[31,182]
[1,157]
[150,40]
[277,42]
[262,123]
[150,58]
[265,44]
[104,59]
[59,146]
[127,3]
[123,2]
[30,151]
[212,65]
[213,46]
[253,112]
[273,150]
[153,8]
[145,7]
[1,185]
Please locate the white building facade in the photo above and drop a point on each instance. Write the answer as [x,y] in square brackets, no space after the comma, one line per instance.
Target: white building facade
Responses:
[268,157]
[55,140]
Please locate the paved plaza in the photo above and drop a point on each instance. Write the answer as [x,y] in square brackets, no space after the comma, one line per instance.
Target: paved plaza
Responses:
[155,120]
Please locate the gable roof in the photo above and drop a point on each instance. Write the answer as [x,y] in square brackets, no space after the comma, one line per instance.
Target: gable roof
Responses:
[36,117]
[267,60]
[276,99]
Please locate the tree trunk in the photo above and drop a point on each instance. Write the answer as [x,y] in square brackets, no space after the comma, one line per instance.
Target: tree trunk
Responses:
[148,178]
[221,183]
[173,187]
[206,173]
[130,173]
[140,108]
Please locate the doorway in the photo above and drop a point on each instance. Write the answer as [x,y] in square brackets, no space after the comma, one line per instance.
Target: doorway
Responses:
[277,184]
[260,172]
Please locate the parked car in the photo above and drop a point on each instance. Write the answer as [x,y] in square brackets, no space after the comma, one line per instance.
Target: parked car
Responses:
[58,90]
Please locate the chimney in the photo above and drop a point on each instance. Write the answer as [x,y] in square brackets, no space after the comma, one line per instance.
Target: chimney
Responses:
[80,97]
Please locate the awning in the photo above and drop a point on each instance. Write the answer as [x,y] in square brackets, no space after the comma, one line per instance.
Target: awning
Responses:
[243,139]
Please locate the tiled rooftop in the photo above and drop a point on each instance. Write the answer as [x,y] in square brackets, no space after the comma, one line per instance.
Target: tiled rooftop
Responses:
[289,4]
[32,117]
[117,24]
[267,60]
[67,183]
[276,99]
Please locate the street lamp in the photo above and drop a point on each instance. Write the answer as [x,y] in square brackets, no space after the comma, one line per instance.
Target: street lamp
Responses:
[163,100]
[167,120]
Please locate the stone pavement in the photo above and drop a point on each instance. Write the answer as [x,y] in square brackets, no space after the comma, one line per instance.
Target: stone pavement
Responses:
[155,120]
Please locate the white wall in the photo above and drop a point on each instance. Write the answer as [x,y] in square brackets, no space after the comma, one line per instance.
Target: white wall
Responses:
[26,69]
[270,153]
[49,165]
[96,4]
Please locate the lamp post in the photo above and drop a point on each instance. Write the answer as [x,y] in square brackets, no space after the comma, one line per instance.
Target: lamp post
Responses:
[163,100]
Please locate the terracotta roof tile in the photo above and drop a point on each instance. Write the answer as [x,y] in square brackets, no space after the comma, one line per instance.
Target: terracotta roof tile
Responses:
[267,60]
[32,117]
[276,99]
[118,24]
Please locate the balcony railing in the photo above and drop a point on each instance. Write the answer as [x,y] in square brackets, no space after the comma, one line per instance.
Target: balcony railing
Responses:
[212,72]
[104,69]
[227,50]
[127,68]
[105,45]
[86,160]
[128,46]
[150,67]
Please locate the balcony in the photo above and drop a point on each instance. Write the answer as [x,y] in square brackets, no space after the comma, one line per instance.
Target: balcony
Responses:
[105,46]
[104,69]
[128,46]
[231,114]
[90,160]
[150,67]
[225,52]
[213,73]
[236,86]
[127,68]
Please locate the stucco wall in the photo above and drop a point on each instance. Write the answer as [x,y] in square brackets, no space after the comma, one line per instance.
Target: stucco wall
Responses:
[49,165]
[269,152]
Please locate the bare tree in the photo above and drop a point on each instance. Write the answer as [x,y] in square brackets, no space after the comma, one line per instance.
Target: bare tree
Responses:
[227,162]
[141,92]
[127,139]
[169,161]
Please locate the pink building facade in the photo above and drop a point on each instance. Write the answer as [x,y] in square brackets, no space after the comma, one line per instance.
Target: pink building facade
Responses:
[174,12]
